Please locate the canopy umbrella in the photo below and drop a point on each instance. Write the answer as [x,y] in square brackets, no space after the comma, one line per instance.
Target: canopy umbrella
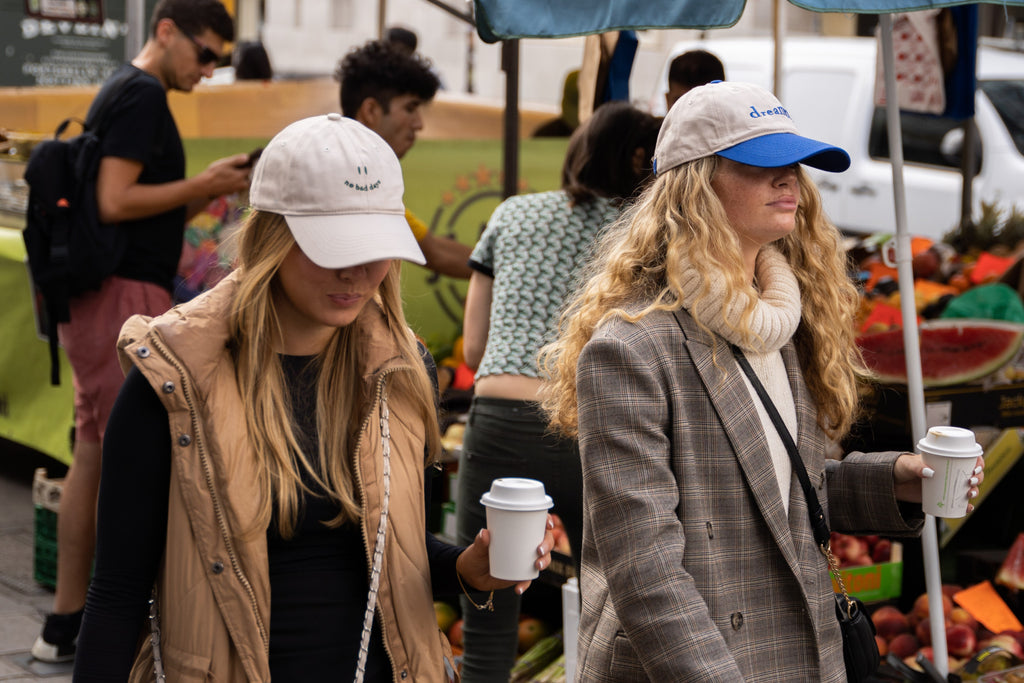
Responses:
[513,19]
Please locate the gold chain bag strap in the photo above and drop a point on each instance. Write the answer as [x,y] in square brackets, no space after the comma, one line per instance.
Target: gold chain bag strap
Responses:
[860,652]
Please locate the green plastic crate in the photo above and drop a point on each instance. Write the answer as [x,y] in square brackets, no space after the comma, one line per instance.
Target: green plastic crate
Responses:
[44,564]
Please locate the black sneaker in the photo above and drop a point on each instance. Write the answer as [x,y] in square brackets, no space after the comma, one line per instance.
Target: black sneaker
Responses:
[58,640]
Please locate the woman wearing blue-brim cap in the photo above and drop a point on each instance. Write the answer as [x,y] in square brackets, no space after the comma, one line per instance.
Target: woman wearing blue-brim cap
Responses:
[699,559]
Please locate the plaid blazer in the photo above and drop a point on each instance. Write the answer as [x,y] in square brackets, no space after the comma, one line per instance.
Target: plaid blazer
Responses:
[692,570]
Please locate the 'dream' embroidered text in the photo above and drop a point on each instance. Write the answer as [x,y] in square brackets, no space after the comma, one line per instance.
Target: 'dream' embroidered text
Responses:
[777,111]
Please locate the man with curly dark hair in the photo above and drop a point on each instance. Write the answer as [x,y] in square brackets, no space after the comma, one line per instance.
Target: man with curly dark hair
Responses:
[385,89]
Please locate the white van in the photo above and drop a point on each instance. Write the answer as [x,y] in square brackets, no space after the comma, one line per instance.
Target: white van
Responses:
[828,87]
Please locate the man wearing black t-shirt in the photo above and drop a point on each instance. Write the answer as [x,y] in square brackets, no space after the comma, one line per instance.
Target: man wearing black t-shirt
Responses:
[142,188]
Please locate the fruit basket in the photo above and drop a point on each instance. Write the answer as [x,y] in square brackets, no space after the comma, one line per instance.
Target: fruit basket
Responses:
[871,567]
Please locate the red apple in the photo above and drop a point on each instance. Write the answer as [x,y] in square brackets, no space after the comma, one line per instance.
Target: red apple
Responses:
[889,622]
[924,631]
[921,607]
[958,615]
[882,551]
[883,647]
[960,640]
[913,619]
[848,547]
[904,645]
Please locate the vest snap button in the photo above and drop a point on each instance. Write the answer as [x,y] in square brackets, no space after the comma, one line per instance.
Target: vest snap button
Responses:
[217,567]
[405,674]
[142,352]
[184,440]
[737,620]
[168,387]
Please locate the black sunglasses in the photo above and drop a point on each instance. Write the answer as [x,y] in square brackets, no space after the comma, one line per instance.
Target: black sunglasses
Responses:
[204,54]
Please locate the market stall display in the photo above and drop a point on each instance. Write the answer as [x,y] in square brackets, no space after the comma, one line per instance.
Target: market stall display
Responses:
[977,641]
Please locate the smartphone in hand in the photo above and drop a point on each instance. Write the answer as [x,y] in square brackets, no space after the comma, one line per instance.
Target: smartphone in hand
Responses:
[253,157]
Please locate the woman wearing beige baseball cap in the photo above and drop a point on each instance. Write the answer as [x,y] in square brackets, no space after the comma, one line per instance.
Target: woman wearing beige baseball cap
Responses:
[699,561]
[264,466]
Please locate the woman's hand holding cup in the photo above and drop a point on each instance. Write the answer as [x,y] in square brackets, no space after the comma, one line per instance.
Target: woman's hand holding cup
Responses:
[474,563]
[963,469]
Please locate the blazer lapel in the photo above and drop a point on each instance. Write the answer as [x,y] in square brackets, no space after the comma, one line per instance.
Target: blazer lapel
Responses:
[738,414]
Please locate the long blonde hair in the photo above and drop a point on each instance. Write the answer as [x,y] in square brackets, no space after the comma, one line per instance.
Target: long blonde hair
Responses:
[265,240]
[679,217]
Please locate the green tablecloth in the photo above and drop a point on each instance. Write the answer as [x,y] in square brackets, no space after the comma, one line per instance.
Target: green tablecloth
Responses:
[32,412]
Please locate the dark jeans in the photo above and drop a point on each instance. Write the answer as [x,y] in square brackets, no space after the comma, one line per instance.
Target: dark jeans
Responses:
[509,438]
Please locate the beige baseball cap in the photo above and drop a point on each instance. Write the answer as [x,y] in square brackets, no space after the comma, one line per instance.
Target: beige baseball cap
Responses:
[742,122]
[339,187]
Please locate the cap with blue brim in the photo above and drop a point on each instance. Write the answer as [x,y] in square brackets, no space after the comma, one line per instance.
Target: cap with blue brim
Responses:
[784,149]
[742,122]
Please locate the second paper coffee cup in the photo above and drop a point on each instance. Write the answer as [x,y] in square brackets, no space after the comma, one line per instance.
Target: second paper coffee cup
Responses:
[517,512]
[951,452]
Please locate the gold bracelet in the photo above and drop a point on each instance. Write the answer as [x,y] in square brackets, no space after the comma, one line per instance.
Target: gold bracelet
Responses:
[489,605]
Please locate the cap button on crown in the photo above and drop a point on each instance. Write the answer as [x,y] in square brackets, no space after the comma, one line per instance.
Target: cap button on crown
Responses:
[334,116]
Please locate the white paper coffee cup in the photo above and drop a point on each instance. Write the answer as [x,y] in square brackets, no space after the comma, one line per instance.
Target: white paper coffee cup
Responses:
[952,453]
[517,513]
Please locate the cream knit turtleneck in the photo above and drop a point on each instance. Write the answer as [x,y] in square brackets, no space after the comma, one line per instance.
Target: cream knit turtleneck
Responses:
[775,319]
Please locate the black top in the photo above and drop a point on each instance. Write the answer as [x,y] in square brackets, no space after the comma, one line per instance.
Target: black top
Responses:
[318,578]
[139,126]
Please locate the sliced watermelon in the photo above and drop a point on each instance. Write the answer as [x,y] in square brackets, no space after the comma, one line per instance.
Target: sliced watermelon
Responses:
[1011,573]
[953,351]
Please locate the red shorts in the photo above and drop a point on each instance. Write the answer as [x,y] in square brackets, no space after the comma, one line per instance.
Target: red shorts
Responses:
[90,341]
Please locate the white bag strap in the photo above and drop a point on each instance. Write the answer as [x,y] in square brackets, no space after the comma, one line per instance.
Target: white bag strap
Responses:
[378,547]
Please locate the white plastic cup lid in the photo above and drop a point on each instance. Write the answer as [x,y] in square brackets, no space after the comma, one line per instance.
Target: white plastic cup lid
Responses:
[514,493]
[952,442]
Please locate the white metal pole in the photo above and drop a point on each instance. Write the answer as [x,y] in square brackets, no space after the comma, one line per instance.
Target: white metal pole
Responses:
[915,384]
[778,35]
[135,18]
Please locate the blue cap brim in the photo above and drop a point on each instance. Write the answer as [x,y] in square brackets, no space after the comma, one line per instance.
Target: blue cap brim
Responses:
[782,149]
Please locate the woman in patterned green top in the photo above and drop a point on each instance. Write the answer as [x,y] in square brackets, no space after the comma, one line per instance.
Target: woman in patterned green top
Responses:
[524,267]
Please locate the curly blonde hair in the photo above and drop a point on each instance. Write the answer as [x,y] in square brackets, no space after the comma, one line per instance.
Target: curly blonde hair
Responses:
[679,218]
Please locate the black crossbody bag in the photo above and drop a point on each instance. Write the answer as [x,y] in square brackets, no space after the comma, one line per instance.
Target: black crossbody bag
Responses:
[860,651]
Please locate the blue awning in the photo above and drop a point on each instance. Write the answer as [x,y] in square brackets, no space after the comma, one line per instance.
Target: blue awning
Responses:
[507,19]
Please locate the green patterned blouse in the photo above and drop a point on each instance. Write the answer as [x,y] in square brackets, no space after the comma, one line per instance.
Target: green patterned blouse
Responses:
[533,247]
